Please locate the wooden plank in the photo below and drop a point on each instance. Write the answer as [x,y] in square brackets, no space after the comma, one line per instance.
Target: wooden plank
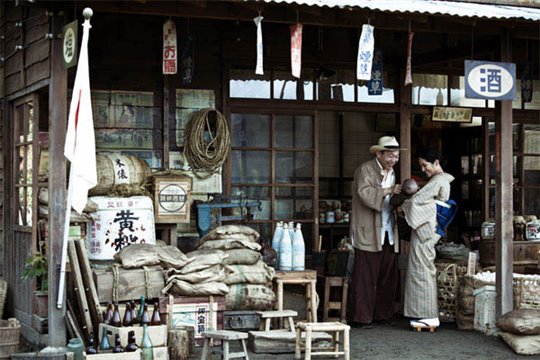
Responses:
[88,328]
[89,285]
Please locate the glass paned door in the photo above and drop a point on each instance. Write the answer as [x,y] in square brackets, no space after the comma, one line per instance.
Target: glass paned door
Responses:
[273,160]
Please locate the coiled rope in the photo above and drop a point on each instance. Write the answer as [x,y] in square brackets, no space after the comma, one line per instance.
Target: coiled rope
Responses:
[205,150]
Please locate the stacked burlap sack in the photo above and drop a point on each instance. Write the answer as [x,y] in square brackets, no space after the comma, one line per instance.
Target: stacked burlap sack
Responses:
[249,279]
[465,303]
[520,329]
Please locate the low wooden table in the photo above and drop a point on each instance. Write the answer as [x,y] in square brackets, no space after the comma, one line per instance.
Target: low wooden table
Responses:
[307,278]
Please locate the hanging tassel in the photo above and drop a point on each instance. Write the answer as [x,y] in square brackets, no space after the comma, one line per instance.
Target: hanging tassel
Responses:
[296,50]
[259,68]
[169,48]
[366,44]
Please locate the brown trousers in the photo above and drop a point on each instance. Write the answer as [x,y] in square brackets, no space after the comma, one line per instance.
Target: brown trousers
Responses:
[373,285]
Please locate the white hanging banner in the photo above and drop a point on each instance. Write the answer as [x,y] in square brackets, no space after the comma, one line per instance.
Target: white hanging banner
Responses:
[259,69]
[296,50]
[169,48]
[366,44]
[408,74]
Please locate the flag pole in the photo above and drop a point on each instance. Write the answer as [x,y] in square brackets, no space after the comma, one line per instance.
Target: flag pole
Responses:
[87,13]
[62,280]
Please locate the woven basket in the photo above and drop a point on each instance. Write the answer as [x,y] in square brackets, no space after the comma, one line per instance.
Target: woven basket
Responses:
[3,294]
[448,280]
[527,292]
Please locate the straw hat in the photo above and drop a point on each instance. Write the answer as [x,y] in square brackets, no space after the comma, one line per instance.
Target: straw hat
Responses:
[386,143]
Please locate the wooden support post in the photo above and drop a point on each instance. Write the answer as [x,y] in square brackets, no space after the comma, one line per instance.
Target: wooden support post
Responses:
[504,232]
[57,179]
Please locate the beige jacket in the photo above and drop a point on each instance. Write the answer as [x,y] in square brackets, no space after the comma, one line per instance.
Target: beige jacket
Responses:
[367,203]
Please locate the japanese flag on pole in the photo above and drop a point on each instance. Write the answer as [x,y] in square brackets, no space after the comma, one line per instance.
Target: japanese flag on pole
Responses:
[80,146]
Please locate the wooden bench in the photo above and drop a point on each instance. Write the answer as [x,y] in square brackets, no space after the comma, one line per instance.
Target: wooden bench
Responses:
[330,327]
[267,316]
[225,336]
[307,278]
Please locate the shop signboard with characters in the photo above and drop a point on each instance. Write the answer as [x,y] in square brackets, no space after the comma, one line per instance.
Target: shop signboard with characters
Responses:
[120,222]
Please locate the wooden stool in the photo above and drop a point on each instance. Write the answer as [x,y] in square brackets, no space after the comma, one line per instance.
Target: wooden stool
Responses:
[308,278]
[225,336]
[267,316]
[333,327]
[330,282]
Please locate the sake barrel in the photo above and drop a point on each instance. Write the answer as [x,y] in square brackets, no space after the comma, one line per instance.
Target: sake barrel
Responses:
[120,222]
[115,169]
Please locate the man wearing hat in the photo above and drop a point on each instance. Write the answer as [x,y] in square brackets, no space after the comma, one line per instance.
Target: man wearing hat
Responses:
[374,236]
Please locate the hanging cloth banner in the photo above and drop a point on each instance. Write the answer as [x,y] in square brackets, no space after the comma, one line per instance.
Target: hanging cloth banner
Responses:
[375,85]
[169,48]
[366,45]
[526,83]
[408,74]
[259,68]
[186,60]
[296,50]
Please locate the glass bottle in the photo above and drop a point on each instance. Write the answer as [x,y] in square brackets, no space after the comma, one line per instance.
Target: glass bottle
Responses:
[276,240]
[117,346]
[141,309]
[298,250]
[145,317]
[133,313]
[108,313]
[91,349]
[116,320]
[132,345]
[285,250]
[127,321]
[156,319]
[105,345]
[76,347]
[147,351]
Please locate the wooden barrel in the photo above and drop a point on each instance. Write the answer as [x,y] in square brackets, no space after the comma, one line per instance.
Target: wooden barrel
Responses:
[525,253]
[114,169]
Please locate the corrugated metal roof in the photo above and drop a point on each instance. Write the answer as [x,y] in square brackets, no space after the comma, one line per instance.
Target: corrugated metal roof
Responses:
[450,8]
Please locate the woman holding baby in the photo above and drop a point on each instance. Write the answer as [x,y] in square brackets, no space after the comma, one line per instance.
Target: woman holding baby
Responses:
[420,213]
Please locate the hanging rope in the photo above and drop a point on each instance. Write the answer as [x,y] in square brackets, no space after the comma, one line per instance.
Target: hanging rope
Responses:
[206,147]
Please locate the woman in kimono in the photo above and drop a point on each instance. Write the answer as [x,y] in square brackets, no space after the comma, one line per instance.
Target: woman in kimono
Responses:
[421,215]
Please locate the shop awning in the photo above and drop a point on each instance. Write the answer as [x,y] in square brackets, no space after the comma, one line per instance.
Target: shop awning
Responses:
[431,7]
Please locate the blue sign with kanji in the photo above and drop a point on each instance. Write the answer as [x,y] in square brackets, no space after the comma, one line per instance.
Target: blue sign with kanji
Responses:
[490,80]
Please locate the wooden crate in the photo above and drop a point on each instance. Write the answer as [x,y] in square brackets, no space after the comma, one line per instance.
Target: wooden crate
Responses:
[241,320]
[200,312]
[131,283]
[160,353]
[158,334]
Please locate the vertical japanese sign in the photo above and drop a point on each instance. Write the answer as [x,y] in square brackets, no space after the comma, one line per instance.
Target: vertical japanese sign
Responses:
[408,74]
[375,85]
[526,83]
[169,48]
[296,50]
[187,60]
[490,80]
[259,68]
[366,44]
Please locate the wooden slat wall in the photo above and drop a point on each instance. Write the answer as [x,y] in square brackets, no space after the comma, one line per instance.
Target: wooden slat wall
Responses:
[20,248]
[26,66]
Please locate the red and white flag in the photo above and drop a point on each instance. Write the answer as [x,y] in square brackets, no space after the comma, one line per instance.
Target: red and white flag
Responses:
[296,50]
[80,146]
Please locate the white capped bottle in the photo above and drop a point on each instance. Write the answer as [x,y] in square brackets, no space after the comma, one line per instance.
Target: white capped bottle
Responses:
[285,250]
[291,230]
[298,250]
[278,233]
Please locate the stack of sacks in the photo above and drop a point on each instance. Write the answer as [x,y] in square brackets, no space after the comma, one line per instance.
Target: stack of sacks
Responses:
[520,329]
[204,275]
[249,278]
[139,255]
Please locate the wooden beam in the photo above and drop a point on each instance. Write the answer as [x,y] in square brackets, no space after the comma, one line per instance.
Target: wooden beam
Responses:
[57,179]
[405,128]
[504,232]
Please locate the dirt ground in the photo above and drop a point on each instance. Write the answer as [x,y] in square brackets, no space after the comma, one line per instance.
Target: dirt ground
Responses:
[383,342]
